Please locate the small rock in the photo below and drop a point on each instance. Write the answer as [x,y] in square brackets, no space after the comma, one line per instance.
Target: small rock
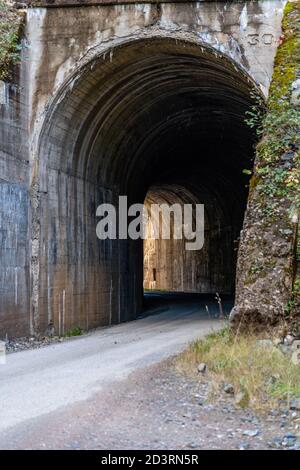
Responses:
[296,345]
[208,407]
[286,231]
[288,340]
[277,341]
[228,388]
[74,445]
[251,433]
[295,405]
[290,435]
[276,443]
[296,357]
[193,445]
[295,100]
[289,441]
[288,157]
[244,446]
[284,349]
[202,368]
[242,399]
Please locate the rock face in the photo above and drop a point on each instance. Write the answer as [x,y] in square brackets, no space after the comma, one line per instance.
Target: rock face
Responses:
[112,100]
[268,282]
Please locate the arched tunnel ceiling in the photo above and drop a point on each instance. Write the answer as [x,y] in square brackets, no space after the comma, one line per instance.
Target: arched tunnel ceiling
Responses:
[149,98]
[155,112]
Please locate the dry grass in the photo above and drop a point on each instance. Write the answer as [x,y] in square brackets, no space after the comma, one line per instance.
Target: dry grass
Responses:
[264,372]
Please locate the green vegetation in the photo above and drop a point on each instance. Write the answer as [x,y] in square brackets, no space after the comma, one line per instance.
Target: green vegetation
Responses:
[255,116]
[10,24]
[258,369]
[278,170]
[297,285]
[75,331]
[289,307]
[275,184]
[254,269]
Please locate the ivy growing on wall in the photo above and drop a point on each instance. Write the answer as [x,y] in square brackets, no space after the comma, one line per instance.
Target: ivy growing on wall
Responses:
[278,170]
[10,24]
[277,173]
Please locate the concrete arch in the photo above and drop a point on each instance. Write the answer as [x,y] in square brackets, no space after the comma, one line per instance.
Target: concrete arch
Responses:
[161,110]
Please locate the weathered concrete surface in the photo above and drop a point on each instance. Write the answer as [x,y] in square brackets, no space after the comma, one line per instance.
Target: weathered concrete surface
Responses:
[268,282]
[105,100]
[34,383]
[169,266]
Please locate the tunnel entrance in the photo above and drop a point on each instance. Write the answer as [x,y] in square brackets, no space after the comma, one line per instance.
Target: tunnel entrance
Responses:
[161,119]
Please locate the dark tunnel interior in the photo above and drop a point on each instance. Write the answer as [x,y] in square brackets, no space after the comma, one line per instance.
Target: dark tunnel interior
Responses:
[161,120]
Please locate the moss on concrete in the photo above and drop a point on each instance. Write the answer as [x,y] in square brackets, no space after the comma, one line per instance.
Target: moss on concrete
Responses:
[269,238]
[279,150]
[287,71]
[277,174]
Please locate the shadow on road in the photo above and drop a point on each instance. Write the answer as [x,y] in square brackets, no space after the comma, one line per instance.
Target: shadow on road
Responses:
[158,301]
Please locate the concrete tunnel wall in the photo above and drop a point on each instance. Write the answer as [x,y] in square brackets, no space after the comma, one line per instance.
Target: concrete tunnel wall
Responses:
[169,266]
[161,111]
[119,106]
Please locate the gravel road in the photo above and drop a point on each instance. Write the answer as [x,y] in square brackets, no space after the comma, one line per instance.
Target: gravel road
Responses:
[36,383]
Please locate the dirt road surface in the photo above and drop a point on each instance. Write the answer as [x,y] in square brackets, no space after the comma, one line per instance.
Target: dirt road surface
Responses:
[119,388]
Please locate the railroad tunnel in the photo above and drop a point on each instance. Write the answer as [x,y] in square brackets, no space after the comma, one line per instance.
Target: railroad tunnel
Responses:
[155,119]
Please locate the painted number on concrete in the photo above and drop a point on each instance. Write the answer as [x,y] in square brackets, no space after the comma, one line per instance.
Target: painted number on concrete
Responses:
[256,39]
